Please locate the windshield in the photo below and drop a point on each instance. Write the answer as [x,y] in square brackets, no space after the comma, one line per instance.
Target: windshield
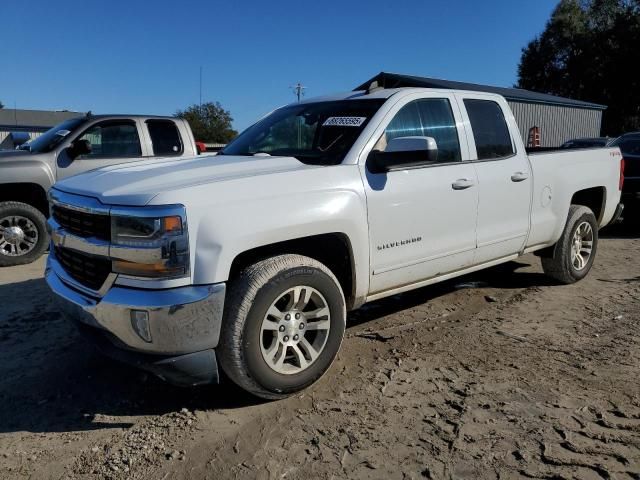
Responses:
[49,139]
[315,133]
[629,145]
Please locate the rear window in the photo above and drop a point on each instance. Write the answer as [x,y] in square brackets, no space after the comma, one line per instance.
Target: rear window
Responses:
[165,137]
[489,128]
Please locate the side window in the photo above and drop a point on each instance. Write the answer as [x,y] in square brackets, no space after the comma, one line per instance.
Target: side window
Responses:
[165,137]
[438,122]
[489,128]
[430,117]
[406,123]
[113,139]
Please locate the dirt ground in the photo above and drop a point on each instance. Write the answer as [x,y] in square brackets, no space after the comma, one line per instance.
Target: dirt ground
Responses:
[501,374]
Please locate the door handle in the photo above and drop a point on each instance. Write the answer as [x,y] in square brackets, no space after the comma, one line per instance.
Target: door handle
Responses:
[519,176]
[462,184]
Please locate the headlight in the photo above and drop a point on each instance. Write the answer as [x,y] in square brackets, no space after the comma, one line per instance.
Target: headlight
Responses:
[149,246]
[148,232]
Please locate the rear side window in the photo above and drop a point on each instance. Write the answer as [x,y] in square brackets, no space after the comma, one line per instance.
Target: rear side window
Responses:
[430,117]
[489,128]
[165,137]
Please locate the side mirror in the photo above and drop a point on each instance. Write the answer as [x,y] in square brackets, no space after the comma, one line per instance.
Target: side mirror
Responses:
[402,153]
[80,147]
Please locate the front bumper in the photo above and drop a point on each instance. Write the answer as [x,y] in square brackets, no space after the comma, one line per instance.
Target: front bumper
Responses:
[183,325]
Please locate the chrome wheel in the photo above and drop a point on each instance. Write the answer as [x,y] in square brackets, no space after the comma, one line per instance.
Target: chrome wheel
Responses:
[294,330]
[582,246]
[18,236]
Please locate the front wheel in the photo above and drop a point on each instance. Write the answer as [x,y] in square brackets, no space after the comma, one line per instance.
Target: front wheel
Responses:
[573,254]
[23,234]
[283,325]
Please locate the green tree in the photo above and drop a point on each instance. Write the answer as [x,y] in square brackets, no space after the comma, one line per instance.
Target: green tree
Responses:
[210,122]
[588,51]
[1,105]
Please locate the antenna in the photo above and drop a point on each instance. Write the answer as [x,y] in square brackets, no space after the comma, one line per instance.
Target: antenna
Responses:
[298,90]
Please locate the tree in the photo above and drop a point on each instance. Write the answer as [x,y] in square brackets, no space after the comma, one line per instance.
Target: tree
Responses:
[210,122]
[1,105]
[588,51]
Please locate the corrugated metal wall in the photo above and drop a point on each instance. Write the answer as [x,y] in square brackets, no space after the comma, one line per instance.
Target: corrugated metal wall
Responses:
[557,124]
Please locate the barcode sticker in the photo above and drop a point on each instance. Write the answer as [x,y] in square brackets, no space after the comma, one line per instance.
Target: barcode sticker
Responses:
[344,121]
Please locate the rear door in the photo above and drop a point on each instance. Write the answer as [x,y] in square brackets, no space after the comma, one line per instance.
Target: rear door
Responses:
[504,177]
[112,141]
[422,220]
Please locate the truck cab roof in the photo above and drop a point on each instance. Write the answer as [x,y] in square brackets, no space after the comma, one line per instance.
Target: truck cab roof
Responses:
[384,93]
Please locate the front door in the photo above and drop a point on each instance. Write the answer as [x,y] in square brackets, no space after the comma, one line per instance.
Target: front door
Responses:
[112,142]
[422,221]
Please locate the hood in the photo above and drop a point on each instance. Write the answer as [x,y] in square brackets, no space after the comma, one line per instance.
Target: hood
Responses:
[13,154]
[135,184]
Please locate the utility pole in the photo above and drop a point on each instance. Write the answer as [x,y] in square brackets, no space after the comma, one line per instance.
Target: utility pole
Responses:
[200,89]
[298,90]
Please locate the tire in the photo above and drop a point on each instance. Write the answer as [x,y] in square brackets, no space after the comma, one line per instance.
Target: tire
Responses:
[562,265]
[248,353]
[28,222]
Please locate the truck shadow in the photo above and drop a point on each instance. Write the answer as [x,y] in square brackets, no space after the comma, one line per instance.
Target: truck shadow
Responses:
[50,381]
[505,276]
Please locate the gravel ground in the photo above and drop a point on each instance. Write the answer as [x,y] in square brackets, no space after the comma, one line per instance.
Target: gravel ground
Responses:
[501,374]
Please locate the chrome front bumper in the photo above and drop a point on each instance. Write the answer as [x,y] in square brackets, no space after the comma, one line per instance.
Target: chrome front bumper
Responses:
[181,320]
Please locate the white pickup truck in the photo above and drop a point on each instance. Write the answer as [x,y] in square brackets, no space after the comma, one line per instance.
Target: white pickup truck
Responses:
[251,259]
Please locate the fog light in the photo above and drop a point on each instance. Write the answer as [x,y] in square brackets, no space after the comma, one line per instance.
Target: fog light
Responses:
[140,323]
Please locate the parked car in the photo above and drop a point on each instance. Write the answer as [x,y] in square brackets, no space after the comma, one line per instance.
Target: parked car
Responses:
[587,142]
[250,259]
[73,147]
[629,145]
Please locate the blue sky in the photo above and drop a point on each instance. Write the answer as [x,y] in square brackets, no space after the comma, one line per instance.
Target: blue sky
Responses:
[128,56]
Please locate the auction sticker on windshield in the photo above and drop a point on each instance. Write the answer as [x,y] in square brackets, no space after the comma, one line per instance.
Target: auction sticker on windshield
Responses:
[344,121]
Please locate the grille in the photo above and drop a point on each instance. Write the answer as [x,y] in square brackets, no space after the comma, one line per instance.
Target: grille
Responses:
[83,224]
[89,271]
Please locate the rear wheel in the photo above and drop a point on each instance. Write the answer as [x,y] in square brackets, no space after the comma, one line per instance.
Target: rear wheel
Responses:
[23,234]
[574,253]
[283,325]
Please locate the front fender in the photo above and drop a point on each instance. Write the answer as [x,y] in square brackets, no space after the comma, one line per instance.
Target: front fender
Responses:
[225,232]
[27,170]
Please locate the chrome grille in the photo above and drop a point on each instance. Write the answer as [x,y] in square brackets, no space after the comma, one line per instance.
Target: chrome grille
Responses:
[83,224]
[90,271]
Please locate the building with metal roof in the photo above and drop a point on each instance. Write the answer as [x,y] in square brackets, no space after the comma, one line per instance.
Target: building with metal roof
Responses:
[32,122]
[553,119]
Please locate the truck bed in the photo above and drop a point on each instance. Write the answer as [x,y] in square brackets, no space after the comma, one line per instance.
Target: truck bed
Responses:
[558,173]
